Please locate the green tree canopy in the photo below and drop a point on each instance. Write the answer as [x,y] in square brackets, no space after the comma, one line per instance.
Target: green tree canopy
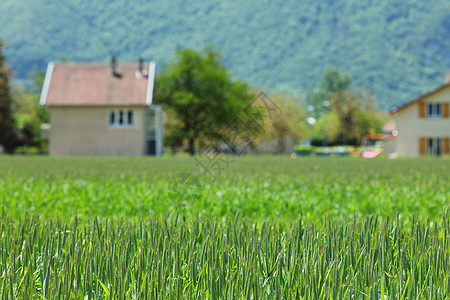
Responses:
[319,98]
[289,124]
[358,114]
[355,114]
[7,132]
[197,90]
[343,116]
[29,114]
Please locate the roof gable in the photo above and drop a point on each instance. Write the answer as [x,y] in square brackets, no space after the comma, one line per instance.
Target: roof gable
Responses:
[421,98]
[93,84]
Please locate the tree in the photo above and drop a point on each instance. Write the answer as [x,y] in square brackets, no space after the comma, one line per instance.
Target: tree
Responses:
[197,90]
[289,124]
[173,135]
[344,116]
[28,113]
[357,115]
[346,105]
[318,99]
[327,129]
[7,130]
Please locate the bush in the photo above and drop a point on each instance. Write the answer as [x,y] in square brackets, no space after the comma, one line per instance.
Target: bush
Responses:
[28,150]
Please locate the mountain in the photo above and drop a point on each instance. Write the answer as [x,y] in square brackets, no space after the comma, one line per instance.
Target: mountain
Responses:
[397,49]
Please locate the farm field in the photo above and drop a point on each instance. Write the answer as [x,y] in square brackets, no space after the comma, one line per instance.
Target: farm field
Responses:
[262,227]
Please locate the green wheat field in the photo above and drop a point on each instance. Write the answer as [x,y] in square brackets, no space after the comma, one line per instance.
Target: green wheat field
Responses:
[259,228]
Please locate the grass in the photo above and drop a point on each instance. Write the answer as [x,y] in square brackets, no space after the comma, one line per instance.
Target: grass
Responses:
[203,259]
[278,189]
[266,227]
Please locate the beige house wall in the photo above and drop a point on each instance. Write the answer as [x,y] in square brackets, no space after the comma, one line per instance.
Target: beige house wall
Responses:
[411,127]
[86,131]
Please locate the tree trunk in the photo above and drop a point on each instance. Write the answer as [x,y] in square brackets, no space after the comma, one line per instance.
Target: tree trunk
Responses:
[191,146]
[281,147]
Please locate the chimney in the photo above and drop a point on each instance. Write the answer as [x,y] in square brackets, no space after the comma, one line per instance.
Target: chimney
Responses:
[140,72]
[113,66]
[447,77]
[141,65]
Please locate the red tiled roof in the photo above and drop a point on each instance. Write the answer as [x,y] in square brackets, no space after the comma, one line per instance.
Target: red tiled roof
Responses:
[80,84]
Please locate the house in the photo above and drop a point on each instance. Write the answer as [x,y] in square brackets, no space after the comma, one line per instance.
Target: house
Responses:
[423,124]
[101,109]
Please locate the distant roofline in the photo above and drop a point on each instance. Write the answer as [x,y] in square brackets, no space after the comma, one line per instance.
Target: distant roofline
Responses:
[46,86]
[49,74]
[419,99]
[101,105]
[151,82]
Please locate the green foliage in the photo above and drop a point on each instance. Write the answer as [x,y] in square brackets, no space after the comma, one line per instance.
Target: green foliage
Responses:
[397,49]
[354,120]
[367,122]
[287,125]
[343,116]
[173,134]
[333,81]
[304,148]
[7,129]
[319,98]
[30,115]
[29,150]
[198,91]
[327,128]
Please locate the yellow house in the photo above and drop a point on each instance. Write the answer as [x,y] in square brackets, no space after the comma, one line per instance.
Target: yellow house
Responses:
[424,125]
[96,109]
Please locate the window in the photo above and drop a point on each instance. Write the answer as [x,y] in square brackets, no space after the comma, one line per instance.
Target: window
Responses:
[121,118]
[434,110]
[151,128]
[434,146]
[130,117]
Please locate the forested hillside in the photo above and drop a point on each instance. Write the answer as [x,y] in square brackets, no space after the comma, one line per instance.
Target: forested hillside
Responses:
[398,49]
